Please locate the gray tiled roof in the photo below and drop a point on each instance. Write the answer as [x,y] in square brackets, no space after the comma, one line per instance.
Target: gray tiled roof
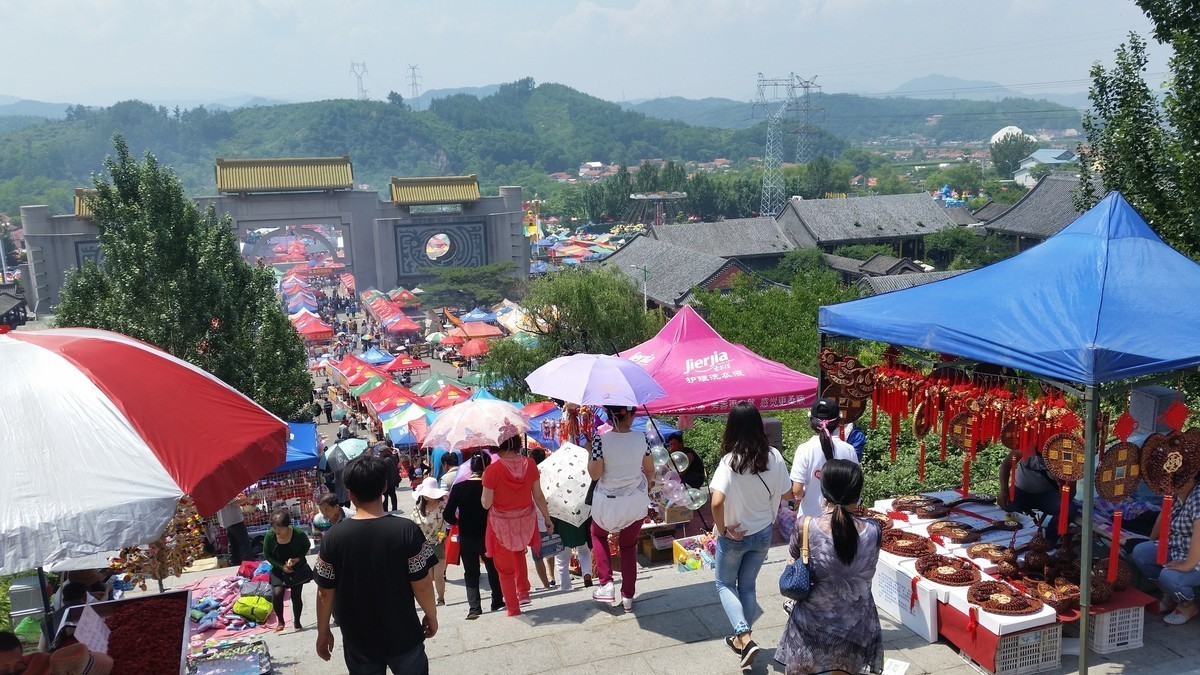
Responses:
[739,237]
[867,218]
[843,264]
[961,216]
[990,211]
[899,282]
[674,270]
[880,264]
[1045,210]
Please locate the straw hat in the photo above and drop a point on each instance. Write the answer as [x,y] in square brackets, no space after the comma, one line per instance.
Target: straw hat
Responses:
[429,488]
[78,660]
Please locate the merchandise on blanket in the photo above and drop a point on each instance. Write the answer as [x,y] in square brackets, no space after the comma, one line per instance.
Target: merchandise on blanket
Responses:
[260,588]
[245,656]
[998,597]
[247,568]
[947,570]
[252,608]
[907,544]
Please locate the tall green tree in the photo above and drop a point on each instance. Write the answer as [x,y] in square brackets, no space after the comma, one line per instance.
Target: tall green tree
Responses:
[172,276]
[1009,150]
[471,286]
[595,311]
[1137,145]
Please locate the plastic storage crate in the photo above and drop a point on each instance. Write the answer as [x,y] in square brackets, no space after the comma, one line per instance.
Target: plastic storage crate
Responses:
[1033,651]
[1117,630]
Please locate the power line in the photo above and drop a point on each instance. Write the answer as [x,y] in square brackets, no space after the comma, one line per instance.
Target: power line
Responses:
[777,97]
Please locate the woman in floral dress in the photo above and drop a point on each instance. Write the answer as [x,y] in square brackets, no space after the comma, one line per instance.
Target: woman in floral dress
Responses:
[429,515]
[836,628]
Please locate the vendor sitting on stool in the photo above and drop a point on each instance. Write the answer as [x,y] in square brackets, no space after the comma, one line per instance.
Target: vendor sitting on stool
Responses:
[1036,490]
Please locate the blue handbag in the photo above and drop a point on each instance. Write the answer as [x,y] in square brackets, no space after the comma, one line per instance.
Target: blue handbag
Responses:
[796,581]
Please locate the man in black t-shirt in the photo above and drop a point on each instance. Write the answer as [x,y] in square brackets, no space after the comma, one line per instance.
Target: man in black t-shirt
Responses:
[370,570]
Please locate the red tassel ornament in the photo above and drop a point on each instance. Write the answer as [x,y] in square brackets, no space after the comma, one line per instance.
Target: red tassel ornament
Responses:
[966,484]
[1064,509]
[921,463]
[1114,552]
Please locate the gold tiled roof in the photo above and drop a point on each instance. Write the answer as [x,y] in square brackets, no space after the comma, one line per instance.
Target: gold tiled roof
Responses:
[436,190]
[83,210]
[284,174]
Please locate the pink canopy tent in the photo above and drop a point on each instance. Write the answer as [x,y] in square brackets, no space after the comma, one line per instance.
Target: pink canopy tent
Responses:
[704,374]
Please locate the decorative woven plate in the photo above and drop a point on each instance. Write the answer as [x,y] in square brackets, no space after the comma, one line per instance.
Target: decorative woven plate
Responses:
[1119,472]
[953,530]
[1061,598]
[884,520]
[996,597]
[960,431]
[921,427]
[852,407]
[947,570]
[1168,459]
[991,552]
[1064,455]
[911,503]
[907,544]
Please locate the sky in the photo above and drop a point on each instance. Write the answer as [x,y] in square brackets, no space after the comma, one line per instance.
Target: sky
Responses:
[97,52]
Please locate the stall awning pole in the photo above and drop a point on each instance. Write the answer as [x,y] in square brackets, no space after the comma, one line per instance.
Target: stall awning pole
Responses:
[1091,404]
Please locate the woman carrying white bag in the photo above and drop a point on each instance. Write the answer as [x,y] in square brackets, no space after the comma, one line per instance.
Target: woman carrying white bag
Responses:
[623,470]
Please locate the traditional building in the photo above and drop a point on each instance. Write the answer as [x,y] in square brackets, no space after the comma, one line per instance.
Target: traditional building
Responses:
[756,243]
[877,265]
[428,223]
[1045,156]
[898,282]
[1041,213]
[900,221]
[670,274]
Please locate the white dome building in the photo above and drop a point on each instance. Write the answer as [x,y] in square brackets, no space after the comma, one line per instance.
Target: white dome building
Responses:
[1006,131]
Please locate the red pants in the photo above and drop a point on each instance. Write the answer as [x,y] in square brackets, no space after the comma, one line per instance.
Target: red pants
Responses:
[627,540]
[514,577]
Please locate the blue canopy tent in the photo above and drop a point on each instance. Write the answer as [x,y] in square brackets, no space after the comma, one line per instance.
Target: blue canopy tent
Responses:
[1103,300]
[301,447]
[478,314]
[375,356]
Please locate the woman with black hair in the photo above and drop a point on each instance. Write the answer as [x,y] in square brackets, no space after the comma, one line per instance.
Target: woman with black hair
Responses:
[285,546]
[836,628]
[465,509]
[620,464]
[748,483]
[812,455]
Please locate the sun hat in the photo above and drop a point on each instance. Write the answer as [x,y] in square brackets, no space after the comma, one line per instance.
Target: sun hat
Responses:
[429,488]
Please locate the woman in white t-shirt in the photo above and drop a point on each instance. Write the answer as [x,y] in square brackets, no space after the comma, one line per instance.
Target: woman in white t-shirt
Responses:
[747,485]
[812,454]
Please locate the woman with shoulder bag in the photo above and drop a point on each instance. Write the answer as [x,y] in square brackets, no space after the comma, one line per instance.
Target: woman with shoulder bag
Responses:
[622,469]
[747,486]
[285,546]
[836,626]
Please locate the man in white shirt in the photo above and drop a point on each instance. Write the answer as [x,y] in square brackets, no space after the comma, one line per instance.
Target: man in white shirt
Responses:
[812,454]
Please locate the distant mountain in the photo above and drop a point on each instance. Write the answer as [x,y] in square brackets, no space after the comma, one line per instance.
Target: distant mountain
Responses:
[943,87]
[5,100]
[27,108]
[865,118]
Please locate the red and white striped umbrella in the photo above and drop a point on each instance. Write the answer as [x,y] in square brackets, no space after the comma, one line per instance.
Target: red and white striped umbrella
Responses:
[102,434]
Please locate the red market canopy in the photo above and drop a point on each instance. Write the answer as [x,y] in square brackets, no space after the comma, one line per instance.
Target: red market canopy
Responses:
[348,281]
[702,373]
[404,363]
[387,396]
[447,396]
[357,375]
[315,330]
[475,347]
[476,329]
[452,340]
[404,297]
[401,324]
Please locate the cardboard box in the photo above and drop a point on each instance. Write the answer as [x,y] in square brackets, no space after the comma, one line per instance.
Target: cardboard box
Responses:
[657,547]
[893,592]
[677,514]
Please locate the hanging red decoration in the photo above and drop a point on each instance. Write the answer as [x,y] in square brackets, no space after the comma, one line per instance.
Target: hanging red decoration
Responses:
[1064,508]
[1114,551]
[1012,483]
[1176,415]
[921,463]
[1164,530]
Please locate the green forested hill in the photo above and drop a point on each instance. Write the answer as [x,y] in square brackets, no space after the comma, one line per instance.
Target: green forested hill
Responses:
[515,136]
[860,118]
